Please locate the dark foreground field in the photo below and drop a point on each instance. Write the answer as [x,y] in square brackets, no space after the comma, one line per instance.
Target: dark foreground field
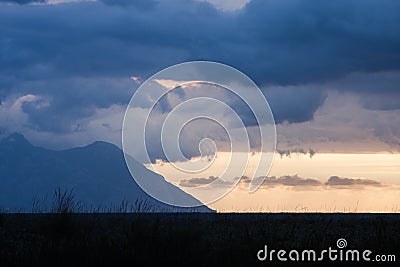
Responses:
[187,239]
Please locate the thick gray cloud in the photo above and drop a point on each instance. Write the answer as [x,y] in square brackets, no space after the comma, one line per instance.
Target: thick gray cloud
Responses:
[64,52]
[378,91]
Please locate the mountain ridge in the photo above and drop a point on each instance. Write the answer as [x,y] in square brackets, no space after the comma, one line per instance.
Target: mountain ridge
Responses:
[96,173]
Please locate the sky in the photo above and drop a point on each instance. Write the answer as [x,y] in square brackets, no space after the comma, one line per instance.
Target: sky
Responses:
[329,70]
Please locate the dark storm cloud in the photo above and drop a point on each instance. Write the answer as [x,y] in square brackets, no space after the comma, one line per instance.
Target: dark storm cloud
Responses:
[46,49]
[22,2]
[71,99]
[273,41]
[294,104]
[302,41]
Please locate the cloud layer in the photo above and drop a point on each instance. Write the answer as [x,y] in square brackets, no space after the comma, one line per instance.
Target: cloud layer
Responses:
[291,181]
[295,51]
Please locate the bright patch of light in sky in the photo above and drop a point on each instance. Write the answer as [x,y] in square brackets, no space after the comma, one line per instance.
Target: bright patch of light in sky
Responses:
[228,5]
[54,2]
[280,199]
[383,168]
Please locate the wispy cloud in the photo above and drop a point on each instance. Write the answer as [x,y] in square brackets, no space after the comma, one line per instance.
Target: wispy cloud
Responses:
[287,180]
[346,182]
[291,181]
[289,152]
[195,182]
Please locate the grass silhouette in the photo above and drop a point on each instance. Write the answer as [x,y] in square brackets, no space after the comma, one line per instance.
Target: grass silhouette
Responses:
[132,234]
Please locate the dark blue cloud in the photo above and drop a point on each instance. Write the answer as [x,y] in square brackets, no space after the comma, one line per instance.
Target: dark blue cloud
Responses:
[22,2]
[303,41]
[50,49]
[273,41]
[294,104]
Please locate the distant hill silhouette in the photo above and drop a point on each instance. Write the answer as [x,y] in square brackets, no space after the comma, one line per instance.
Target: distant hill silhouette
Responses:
[97,173]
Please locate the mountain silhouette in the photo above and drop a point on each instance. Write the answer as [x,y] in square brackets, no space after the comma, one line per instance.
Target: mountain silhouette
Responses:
[96,173]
